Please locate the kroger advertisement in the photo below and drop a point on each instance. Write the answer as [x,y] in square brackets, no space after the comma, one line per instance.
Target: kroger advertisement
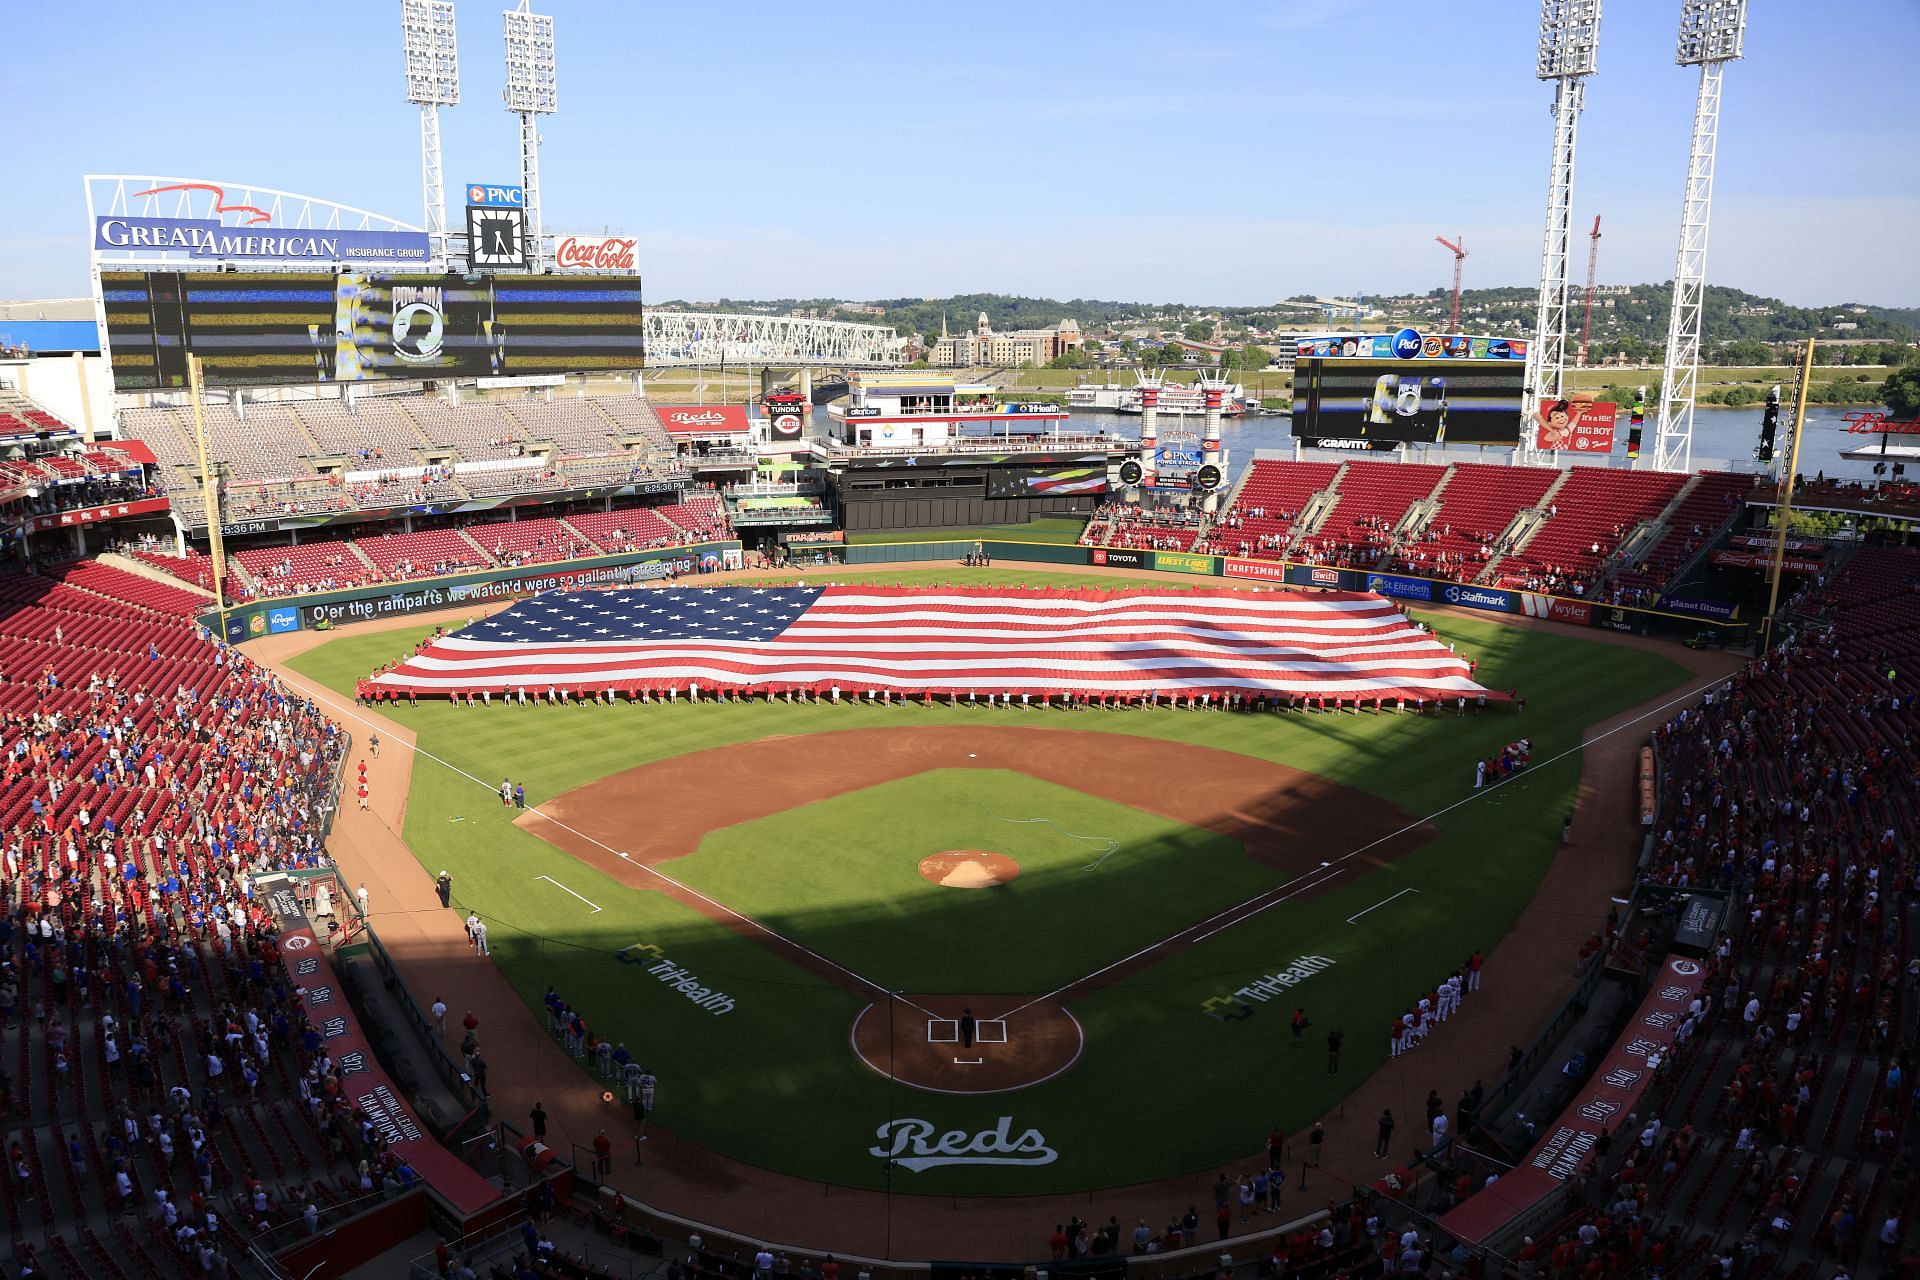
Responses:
[1384,389]
[287,327]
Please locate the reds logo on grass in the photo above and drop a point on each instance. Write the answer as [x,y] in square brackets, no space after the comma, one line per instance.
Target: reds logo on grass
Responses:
[929,1150]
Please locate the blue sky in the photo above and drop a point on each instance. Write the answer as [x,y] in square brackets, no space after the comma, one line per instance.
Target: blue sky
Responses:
[1137,151]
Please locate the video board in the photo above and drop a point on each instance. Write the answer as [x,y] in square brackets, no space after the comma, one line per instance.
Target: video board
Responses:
[1381,390]
[289,327]
[1046,482]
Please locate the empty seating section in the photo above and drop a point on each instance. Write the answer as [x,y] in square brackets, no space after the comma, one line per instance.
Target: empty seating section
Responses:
[616,469]
[118,584]
[20,415]
[267,444]
[531,541]
[1269,502]
[1698,518]
[423,555]
[632,529]
[377,423]
[535,477]
[1476,506]
[571,423]
[312,566]
[634,416]
[1591,513]
[166,433]
[195,567]
[1370,499]
[479,429]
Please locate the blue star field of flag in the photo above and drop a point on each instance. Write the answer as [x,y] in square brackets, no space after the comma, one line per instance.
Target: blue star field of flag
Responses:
[711,613]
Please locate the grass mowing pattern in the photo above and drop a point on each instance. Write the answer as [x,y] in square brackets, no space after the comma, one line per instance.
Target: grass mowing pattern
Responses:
[1163,1088]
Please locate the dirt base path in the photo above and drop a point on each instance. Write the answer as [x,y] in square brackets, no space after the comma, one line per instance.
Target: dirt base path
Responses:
[1526,977]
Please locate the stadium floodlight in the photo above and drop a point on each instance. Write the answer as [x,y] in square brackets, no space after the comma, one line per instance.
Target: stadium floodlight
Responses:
[1568,53]
[1711,33]
[433,81]
[1569,39]
[532,91]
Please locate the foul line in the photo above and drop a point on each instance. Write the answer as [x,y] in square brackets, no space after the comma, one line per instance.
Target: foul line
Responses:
[1383,902]
[562,888]
[1196,933]
[330,696]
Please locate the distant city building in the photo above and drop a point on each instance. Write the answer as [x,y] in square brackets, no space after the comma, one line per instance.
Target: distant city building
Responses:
[1021,347]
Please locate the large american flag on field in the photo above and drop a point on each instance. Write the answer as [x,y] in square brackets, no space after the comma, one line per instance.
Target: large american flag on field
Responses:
[945,641]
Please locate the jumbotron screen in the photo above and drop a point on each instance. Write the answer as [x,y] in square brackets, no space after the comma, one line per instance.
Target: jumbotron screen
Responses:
[1385,389]
[287,327]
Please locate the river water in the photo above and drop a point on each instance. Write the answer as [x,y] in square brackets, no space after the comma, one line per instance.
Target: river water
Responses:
[1723,440]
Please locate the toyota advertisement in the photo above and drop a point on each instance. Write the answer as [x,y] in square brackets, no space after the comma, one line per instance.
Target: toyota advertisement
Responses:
[1373,391]
[289,327]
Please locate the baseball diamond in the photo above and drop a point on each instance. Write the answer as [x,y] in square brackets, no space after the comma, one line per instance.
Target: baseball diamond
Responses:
[1185,881]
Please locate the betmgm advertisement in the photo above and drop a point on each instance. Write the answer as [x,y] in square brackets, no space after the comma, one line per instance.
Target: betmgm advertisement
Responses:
[290,327]
[1367,391]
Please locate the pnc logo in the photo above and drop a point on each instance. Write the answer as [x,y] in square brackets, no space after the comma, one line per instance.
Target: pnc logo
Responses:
[481,193]
[1406,344]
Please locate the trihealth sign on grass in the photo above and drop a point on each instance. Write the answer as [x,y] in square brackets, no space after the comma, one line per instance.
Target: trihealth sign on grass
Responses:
[682,980]
[1236,1007]
[913,1144]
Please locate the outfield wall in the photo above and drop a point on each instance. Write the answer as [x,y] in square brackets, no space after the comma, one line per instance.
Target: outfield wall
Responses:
[1292,573]
[323,610]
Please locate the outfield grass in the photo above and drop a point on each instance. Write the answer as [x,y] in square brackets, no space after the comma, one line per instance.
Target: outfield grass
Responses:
[774,1082]
[1059,529]
[849,885]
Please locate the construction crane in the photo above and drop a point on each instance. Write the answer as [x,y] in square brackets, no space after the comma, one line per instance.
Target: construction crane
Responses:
[1459,256]
[1593,264]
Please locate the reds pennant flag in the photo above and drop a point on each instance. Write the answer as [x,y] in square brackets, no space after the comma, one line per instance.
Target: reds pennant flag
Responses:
[944,641]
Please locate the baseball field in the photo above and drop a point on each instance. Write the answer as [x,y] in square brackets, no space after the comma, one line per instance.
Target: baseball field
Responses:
[779,907]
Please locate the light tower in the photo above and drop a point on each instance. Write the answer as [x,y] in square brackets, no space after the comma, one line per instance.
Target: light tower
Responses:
[532,91]
[433,81]
[1710,35]
[1569,44]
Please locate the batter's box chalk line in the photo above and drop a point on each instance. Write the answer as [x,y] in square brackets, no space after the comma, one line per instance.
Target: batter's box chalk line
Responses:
[943,1031]
[990,1031]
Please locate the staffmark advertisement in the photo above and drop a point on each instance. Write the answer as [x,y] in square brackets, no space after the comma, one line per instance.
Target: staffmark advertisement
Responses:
[1475,597]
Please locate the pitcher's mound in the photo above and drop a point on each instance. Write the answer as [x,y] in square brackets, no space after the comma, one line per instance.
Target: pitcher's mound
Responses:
[969,869]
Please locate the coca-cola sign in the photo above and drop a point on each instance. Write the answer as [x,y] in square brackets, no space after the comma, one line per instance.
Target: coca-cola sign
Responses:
[595,253]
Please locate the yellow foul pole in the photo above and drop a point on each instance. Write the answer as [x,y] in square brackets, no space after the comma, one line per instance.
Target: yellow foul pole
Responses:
[209,492]
[1785,513]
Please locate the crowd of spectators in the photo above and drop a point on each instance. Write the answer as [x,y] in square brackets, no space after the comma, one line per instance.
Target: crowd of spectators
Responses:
[1780,1129]
[166,1070]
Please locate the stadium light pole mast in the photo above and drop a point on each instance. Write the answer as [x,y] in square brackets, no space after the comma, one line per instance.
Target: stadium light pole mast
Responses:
[1710,37]
[1569,45]
[433,81]
[532,91]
